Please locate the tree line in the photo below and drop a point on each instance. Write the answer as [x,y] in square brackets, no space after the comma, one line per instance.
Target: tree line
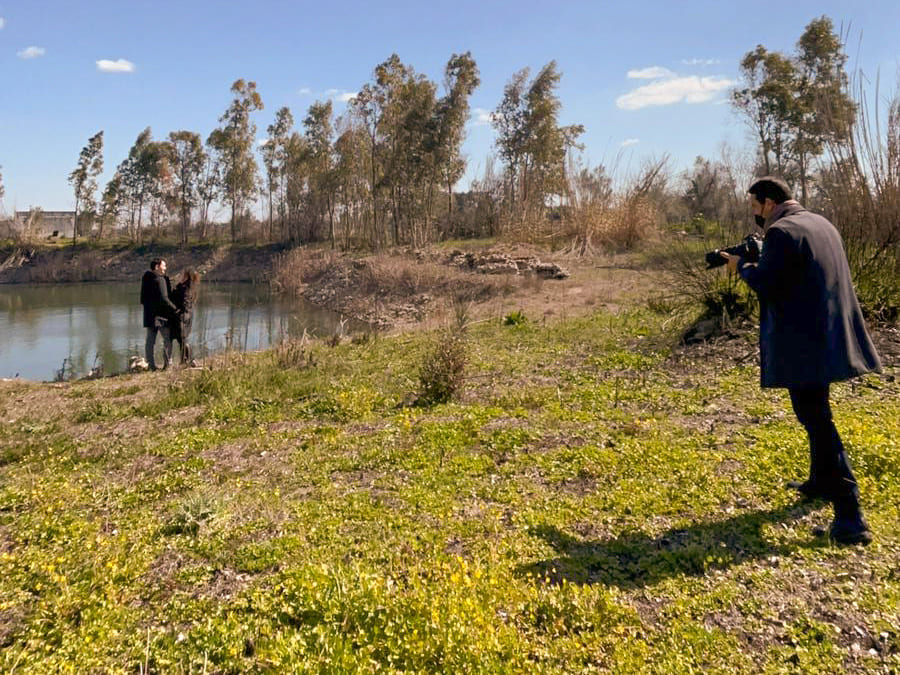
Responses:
[383,173]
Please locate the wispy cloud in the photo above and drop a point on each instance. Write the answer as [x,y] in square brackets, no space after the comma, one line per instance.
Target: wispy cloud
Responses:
[630,141]
[119,66]
[651,73]
[31,53]
[700,62]
[481,117]
[2,22]
[335,94]
[691,89]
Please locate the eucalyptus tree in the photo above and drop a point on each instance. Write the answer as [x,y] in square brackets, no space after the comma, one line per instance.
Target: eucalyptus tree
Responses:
[766,102]
[461,78]
[510,122]
[297,187]
[531,143]
[83,178]
[274,154]
[796,104]
[405,101]
[188,160]
[351,181]
[410,157]
[233,142]
[110,204]
[318,129]
[208,188]
[367,107]
[2,189]
[144,174]
[825,111]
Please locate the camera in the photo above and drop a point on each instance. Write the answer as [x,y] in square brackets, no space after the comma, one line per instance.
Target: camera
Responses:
[749,249]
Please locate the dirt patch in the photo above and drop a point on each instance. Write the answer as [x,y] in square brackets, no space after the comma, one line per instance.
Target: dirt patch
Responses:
[404,289]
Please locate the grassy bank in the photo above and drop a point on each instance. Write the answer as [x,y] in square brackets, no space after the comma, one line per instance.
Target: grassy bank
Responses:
[596,501]
[123,261]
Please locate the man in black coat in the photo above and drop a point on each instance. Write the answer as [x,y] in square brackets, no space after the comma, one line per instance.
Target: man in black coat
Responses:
[811,334]
[159,311]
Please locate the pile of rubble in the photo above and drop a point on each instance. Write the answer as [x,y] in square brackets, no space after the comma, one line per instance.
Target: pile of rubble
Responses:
[500,263]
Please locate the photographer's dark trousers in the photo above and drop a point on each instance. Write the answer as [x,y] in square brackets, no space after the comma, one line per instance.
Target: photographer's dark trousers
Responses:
[151,343]
[829,467]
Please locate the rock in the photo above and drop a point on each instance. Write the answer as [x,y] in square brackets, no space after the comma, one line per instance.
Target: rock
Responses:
[138,364]
[550,271]
[701,331]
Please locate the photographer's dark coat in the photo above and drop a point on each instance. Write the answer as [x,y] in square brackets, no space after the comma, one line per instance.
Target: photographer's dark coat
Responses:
[811,328]
[158,309]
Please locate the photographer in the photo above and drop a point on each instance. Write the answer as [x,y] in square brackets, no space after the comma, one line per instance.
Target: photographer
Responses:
[811,333]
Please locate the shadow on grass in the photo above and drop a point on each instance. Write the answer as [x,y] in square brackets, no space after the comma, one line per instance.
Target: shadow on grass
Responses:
[634,560]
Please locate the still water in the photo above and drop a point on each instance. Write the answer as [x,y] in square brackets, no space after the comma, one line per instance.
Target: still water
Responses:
[75,327]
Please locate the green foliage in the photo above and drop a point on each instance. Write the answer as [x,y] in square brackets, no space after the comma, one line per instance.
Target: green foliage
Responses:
[877,285]
[515,318]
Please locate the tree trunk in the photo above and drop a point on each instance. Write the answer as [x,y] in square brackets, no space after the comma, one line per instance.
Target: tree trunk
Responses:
[75,224]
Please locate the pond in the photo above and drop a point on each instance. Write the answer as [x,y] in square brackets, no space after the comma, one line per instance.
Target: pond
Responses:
[61,331]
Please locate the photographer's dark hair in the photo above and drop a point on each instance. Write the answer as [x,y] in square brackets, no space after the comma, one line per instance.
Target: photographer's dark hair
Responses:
[155,263]
[770,187]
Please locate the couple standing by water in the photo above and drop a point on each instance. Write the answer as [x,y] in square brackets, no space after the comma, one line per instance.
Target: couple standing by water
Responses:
[167,311]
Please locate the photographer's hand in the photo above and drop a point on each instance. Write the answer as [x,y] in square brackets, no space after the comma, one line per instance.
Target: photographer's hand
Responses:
[732,261]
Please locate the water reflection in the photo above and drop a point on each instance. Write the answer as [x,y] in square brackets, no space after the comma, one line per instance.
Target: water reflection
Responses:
[91,324]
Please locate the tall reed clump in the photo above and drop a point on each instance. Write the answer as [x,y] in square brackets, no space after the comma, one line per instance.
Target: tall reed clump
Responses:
[861,194]
[707,295]
[599,218]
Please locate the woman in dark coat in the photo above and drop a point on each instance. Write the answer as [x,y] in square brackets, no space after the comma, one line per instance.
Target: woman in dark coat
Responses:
[184,296]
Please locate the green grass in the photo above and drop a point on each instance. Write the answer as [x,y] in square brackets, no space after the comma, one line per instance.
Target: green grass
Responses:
[592,502]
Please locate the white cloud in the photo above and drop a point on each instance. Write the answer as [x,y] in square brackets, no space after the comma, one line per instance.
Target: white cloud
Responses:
[691,89]
[700,62]
[630,141]
[481,117]
[651,73]
[120,66]
[31,52]
[2,22]
[335,94]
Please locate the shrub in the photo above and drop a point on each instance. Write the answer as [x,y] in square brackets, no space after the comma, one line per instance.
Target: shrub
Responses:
[441,374]
[516,318]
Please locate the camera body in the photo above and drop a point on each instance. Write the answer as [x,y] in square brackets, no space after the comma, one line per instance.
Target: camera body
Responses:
[750,249]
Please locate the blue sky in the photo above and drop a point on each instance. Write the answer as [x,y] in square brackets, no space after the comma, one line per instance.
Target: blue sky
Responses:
[644,77]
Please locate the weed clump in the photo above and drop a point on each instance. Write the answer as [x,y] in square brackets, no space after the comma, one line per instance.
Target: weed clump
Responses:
[441,374]
[516,318]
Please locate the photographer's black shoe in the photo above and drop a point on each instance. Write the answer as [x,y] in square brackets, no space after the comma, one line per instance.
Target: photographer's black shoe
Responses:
[850,531]
[808,490]
[849,526]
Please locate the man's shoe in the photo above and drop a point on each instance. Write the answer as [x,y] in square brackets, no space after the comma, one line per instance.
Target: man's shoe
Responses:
[849,530]
[849,526]
[808,490]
